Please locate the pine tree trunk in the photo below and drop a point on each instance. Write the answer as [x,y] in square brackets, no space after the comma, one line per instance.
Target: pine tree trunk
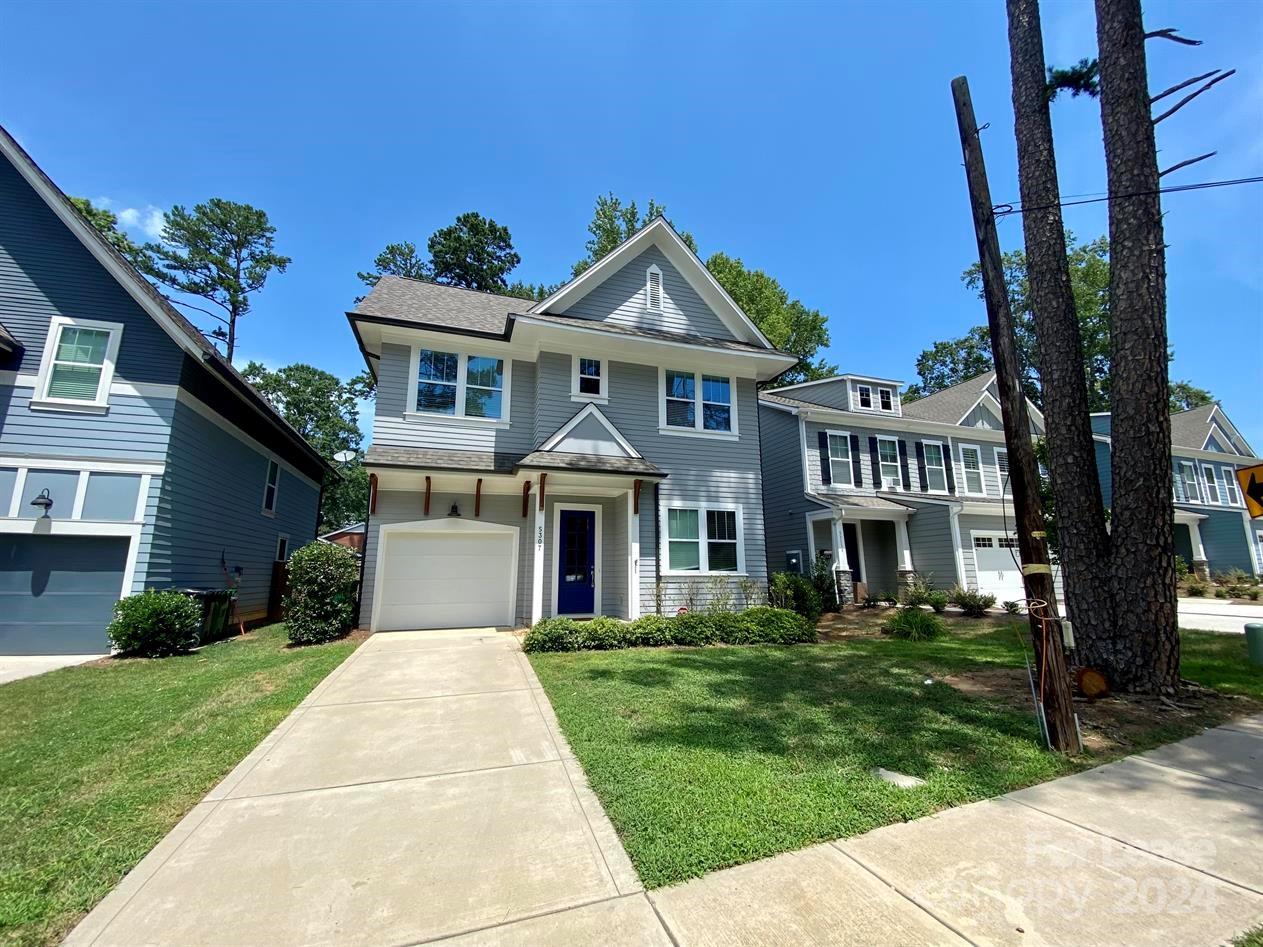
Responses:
[1083,540]
[1144,652]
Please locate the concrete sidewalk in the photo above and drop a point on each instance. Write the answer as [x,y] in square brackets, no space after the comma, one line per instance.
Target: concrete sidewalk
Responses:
[420,792]
[1157,849]
[1212,614]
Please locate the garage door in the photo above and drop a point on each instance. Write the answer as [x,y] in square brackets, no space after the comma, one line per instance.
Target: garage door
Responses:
[57,593]
[996,559]
[458,579]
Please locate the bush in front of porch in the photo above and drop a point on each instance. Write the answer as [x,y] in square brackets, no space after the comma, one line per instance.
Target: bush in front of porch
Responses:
[759,625]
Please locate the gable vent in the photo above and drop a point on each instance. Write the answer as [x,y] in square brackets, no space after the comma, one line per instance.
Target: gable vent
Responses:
[653,289]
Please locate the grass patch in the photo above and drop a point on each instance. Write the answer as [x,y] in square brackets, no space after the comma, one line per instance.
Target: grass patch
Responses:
[711,757]
[98,762]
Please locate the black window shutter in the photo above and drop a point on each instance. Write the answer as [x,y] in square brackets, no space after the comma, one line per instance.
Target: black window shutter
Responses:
[951,476]
[826,476]
[903,465]
[921,466]
[872,452]
[857,467]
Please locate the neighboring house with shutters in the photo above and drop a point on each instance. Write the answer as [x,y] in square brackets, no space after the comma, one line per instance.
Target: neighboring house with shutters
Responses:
[132,455]
[593,453]
[887,489]
[1213,531]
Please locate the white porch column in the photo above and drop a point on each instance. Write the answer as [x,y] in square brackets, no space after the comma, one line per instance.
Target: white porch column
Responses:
[537,573]
[633,558]
[1195,533]
[839,546]
[905,548]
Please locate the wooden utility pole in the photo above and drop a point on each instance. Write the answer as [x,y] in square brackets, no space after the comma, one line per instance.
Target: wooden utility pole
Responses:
[1051,674]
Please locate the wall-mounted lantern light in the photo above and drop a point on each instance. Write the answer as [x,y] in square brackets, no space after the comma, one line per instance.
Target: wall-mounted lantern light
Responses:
[43,502]
[454,511]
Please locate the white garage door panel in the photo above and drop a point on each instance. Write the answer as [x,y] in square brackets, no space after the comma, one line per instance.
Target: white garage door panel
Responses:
[446,580]
[996,561]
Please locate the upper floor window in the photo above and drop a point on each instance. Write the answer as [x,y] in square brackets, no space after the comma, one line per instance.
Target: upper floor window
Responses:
[888,458]
[865,394]
[840,459]
[697,402]
[1212,483]
[935,468]
[78,364]
[1002,471]
[971,465]
[271,486]
[886,399]
[1232,496]
[588,379]
[653,289]
[460,385]
[1188,480]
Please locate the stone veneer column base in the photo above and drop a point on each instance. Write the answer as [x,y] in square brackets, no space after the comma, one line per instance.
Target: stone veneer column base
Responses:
[1201,569]
[905,578]
[844,582]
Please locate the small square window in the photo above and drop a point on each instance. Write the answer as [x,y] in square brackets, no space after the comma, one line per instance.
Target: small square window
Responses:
[589,376]
[982,542]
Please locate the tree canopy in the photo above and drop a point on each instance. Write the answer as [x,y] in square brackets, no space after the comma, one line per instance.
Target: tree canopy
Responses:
[475,252]
[613,222]
[398,259]
[324,410]
[220,251]
[106,221]
[1185,396]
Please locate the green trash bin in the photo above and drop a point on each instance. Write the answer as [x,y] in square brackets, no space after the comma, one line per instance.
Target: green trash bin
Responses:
[216,605]
[1254,642]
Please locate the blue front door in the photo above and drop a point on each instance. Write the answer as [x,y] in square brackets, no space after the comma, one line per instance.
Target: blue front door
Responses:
[576,563]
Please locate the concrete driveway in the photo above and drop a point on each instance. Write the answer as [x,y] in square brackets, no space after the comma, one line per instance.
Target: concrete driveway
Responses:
[1212,614]
[420,792]
[14,667]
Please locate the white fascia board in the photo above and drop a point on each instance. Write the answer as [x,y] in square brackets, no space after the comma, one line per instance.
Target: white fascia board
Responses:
[689,265]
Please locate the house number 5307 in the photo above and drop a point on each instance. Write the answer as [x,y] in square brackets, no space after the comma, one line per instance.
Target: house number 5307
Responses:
[539,537]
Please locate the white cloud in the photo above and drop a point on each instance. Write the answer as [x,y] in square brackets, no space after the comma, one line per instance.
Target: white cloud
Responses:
[147,220]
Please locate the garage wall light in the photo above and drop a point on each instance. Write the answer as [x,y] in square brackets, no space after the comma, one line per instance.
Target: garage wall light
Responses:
[454,511]
[43,502]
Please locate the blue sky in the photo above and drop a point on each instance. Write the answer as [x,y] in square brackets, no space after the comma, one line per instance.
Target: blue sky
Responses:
[815,141]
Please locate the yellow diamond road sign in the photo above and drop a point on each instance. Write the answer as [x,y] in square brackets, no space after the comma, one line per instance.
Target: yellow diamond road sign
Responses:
[1251,480]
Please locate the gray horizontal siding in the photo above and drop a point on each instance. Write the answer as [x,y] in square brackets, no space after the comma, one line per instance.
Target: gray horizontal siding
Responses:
[970,522]
[830,394]
[1104,465]
[1226,539]
[982,416]
[210,513]
[620,299]
[134,427]
[933,550]
[151,573]
[881,556]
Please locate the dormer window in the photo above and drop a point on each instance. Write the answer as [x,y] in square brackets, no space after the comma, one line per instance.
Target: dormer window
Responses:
[865,395]
[886,399]
[653,289]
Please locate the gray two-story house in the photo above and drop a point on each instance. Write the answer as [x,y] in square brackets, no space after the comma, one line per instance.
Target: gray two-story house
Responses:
[132,455]
[1213,532]
[887,490]
[596,453]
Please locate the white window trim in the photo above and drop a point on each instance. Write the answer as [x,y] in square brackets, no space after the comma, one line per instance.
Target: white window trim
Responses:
[599,539]
[1231,485]
[276,554]
[1197,484]
[859,405]
[945,458]
[602,396]
[41,401]
[898,484]
[964,473]
[850,460]
[276,489]
[1211,479]
[703,556]
[662,291]
[462,364]
[891,393]
[698,414]
[999,474]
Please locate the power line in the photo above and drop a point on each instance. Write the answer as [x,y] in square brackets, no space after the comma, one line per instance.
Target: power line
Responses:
[1006,210]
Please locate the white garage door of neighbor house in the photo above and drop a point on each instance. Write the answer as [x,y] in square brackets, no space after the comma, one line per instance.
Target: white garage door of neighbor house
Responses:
[446,580]
[996,559]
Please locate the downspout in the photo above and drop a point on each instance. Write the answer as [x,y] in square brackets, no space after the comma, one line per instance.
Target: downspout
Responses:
[368,516]
[657,547]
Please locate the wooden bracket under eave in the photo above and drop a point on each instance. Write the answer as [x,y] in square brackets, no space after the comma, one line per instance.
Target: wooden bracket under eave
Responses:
[372,493]
[478,498]
[427,496]
[526,498]
[542,478]
[636,496]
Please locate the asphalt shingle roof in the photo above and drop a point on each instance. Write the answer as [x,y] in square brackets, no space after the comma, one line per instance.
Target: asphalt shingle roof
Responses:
[657,335]
[7,342]
[951,404]
[433,304]
[1189,428]
[863,502]
[556,460]
[429,458]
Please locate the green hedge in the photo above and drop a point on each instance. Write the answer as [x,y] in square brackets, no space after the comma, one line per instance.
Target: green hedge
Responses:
[320,602]
[155,623]
[760,625]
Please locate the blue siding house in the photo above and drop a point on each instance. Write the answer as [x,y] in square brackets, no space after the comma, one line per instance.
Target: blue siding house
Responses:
[132,455]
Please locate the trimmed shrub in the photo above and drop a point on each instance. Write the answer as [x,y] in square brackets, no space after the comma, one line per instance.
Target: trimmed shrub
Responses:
[1232,577]
[972,602]
[693,628]
[1181,569]
[912,624]
[775,626]
[155,623]
[796,592]
[601,634]
[320,602]
[1197,587]
[1252,594]
[552,634]
[822,582]
[870,600]
[649,631]
[1013,608]
[1221,593]
[759,625]
[937,600]
[918,590]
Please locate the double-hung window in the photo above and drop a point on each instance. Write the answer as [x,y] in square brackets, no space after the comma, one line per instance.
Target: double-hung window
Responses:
[865,394]
[1212,483]
[270,487]
[702,540]
[840,474]
[1232,496]
[693,401]
[888,458]
[588,380]
[1002,471]
[971,465]
[935,467]
[78,364]
[460,385]
[886,399]
[1188,479]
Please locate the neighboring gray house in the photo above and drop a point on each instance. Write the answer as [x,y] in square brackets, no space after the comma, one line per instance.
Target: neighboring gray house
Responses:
[593,453]
[886,489]
[132,455]
[1213,531]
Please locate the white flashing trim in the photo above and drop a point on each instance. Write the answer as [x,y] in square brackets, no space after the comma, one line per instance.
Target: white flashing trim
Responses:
[558,506]
[633,559]
[953,515]
[75,463]
[590,411]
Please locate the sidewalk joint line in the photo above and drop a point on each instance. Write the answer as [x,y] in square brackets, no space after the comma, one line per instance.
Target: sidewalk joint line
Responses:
[661,920]
[526,917]
[400,700]
[1193,772]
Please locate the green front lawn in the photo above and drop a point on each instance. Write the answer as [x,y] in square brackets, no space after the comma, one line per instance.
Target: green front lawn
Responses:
[97,763]
[710,757]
